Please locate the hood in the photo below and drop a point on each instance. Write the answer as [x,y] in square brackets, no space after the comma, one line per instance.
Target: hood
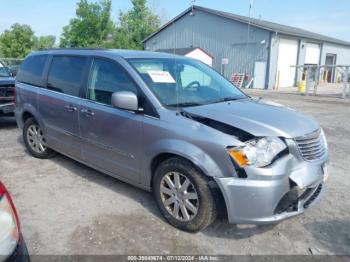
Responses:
[258,118]
[7,81]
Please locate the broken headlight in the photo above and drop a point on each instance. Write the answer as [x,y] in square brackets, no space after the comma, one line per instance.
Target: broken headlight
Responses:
[258,152]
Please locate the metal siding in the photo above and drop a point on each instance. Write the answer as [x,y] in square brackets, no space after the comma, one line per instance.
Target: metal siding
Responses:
[342,52]
[220,37]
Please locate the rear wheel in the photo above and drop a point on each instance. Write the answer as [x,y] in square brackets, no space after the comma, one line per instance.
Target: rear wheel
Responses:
[183,195]
[35,141]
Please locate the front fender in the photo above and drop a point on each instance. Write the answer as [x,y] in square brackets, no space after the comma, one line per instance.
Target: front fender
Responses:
[183,149]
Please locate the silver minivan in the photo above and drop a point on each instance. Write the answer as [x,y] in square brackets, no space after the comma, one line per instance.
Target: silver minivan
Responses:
[173,126]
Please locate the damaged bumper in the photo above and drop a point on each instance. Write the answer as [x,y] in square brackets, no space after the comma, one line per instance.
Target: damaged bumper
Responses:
[269,195]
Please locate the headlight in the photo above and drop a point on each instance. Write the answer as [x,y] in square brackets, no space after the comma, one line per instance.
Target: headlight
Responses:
[9,228]
[259,152]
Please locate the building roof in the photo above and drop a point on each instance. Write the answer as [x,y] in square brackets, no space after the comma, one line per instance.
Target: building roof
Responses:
[270,26]
[182,51]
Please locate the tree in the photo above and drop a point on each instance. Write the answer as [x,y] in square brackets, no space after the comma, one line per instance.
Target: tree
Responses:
[44,42]
[17,42]
[135,25]
[91,27]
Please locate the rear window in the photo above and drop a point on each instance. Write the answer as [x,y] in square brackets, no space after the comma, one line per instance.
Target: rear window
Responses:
[66,74]
[32,70]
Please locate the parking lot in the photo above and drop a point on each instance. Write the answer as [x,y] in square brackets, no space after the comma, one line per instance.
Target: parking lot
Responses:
[67,208]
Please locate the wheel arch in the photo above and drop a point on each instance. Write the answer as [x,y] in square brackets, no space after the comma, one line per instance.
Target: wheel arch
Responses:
[214,187]
[26,115]
[29,111]
[168,148]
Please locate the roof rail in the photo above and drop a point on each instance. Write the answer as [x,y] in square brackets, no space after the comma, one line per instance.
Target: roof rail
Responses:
[72,48]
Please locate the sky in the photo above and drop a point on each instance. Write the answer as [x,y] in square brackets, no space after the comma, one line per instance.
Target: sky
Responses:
[326,17]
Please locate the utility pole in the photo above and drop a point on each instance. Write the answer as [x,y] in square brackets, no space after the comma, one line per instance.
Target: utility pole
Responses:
[193,2]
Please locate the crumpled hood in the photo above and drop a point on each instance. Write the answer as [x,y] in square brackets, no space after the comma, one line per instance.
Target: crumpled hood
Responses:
[7,81]
[259,118]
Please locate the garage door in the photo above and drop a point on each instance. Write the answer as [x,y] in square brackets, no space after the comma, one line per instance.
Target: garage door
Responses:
[287,57]
[312,56]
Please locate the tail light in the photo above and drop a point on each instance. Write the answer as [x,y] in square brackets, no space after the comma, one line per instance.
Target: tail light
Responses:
[9,224]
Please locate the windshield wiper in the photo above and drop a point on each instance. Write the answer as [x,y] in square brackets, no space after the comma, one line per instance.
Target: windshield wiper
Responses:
[225,99]
[185,104]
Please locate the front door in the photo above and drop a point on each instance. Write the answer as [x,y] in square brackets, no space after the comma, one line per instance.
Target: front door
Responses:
[59,103]
[259,74]
[330,60]
[112,137]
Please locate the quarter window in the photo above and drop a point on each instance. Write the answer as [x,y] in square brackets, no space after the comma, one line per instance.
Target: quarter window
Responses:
[105,79]
[66,74]
[32,69]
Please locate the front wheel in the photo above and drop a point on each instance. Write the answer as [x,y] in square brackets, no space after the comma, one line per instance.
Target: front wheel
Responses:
[35,141]
[183,195]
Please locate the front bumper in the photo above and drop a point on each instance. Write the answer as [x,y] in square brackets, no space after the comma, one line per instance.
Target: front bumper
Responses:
[284,190]
[6,109]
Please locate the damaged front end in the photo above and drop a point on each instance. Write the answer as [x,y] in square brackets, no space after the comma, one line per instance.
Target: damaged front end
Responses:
[278,186]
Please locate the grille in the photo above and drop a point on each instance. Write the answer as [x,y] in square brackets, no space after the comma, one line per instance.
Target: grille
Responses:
[6,93]
[312,146]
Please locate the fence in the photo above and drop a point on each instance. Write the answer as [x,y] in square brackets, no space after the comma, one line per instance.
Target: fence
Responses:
[316,74]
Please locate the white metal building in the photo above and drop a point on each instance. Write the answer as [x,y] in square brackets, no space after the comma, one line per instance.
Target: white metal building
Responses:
[263,50]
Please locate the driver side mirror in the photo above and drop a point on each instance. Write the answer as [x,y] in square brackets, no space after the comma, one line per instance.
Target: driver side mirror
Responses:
[125,100]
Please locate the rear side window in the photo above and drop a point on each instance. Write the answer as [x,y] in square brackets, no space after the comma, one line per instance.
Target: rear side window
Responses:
[66,74]
[32,70]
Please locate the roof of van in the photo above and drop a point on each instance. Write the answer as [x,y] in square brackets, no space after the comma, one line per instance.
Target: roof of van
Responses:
[106,52]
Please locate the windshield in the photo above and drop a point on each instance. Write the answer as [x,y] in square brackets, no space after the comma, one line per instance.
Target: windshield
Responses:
[3,72]
[185,82]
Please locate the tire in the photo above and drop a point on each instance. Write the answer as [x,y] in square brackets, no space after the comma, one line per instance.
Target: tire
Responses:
[183,192]
[33,135]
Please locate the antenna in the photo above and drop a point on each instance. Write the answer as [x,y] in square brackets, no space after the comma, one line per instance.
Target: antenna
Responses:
[176,80]
[250,17]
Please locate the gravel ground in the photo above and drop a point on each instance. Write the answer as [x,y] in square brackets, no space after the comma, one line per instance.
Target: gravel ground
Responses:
[67,208]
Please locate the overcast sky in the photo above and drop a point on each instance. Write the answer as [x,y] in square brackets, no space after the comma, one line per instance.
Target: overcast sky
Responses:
[327,17]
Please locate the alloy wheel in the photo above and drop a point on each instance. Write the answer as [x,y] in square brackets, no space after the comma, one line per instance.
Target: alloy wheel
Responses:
[179,196]
[36,139]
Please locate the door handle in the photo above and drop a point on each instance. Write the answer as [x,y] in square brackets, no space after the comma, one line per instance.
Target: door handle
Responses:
[87,112]
[70,108]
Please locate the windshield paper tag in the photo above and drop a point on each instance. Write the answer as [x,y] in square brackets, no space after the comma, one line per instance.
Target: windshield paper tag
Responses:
[161,77]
